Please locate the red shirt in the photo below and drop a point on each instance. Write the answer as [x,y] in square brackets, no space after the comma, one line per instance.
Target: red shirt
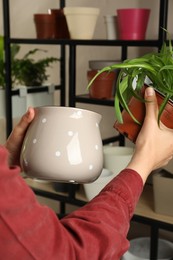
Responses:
[96,231]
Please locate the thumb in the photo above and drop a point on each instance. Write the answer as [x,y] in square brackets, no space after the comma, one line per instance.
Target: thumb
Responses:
[151,103]
[24,122]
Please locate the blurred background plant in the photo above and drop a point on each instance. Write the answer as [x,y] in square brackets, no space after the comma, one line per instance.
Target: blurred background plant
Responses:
[25,71]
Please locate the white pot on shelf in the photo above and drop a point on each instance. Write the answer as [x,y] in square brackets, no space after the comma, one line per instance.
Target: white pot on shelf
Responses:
[116,158]
[92,189]
[81,21]
[38,99]
[111,26]
[18,109]
[18,102]
[140,249]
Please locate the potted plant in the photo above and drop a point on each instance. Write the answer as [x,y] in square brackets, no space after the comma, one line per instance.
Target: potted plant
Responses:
[26,73]
[18,100]
[2,61]
[29,72]
[157,67]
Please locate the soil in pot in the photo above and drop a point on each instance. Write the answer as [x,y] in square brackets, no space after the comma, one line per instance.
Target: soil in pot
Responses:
[102,87]
[131,129]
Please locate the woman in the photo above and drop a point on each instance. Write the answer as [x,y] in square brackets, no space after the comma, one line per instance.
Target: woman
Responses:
[96,231]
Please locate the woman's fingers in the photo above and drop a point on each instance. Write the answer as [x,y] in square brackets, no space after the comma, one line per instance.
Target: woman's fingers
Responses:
[15,140]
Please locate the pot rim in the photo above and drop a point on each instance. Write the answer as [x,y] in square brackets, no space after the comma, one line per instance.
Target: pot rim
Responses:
[133,9]
[75,109]
[81,10]
[170,101]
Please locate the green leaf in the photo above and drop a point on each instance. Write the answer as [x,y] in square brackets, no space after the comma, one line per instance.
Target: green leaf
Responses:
[1,48]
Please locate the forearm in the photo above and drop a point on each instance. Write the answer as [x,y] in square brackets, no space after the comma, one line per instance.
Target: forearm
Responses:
[103,223]
[35,232]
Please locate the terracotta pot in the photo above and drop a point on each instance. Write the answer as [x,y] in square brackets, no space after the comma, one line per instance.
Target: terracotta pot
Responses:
[132,23]
[45,26]
[61,30]
[102,86]
[100,64]
[130,129]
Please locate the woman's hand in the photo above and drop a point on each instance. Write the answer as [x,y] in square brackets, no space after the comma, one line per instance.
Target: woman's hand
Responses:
[15,140]
[154,145]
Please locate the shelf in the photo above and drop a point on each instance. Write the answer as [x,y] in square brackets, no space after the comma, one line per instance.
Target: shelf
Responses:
[47,190]
[86,99]
[144,208]
[144,212]
[34,89]
[94,42]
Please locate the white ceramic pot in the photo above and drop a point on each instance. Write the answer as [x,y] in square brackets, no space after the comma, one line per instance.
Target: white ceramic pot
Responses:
[81,21]
[18,109]
[140,249]
[92,189]
[63,144]
[38,98]
[116,158]
[18,102]
[111,26]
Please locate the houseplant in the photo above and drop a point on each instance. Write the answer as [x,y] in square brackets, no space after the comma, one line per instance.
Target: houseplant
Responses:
[157,67]
[29,72]
[26,70]
[2,61]
[33,73]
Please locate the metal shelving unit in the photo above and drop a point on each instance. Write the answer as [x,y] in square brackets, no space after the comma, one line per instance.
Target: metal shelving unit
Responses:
[7,42]
[72,45]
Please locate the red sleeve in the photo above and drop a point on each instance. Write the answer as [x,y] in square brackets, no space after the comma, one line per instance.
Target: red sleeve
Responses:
[95,231]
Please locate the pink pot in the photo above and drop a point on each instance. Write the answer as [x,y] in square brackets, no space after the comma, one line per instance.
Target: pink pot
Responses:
[132,23]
